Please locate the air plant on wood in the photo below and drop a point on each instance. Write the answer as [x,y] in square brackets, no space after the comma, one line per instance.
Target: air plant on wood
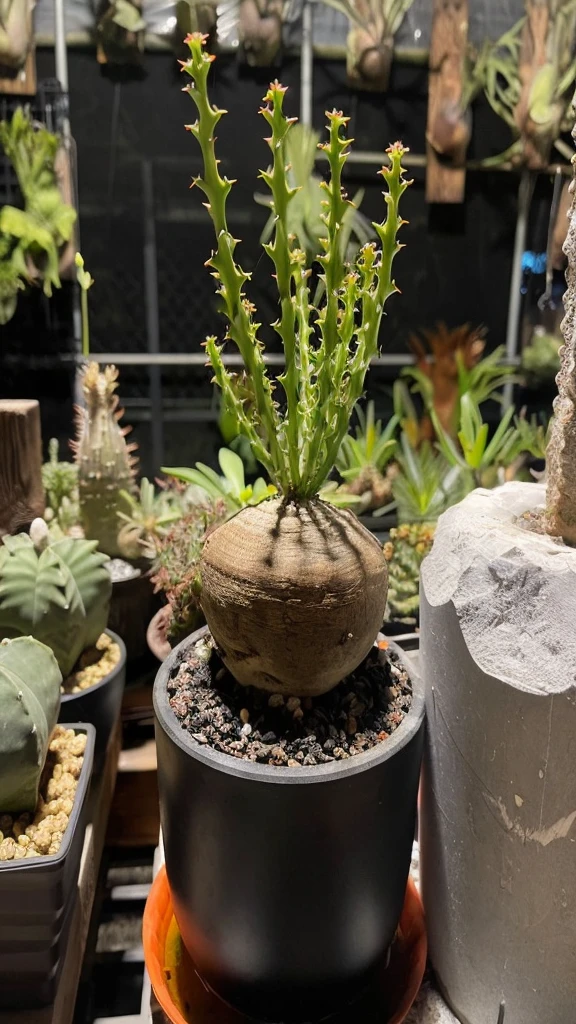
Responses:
[529,75]
[16,32]
[370,44]
[120,32]
[294,550]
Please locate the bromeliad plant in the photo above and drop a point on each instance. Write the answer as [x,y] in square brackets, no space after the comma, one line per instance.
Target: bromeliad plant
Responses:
[293,550]
[362,460]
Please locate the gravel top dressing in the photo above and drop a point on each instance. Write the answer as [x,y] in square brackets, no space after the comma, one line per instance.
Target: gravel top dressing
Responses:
[363,710]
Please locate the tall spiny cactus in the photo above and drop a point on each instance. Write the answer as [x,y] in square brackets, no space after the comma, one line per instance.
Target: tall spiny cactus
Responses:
[105,461]
[561,452]
[56,591]
[327,348]
[30,698]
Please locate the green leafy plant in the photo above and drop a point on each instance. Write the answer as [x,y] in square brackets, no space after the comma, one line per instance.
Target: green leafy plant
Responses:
[177,566]
[56,591]
[151,514]
[479,456]
[296,433]
[363,458]
[425,485]
[32,237]
[30,683]
[304,216]
[120,32]
[231,487]
[85,281]
[405,551]
[60,481]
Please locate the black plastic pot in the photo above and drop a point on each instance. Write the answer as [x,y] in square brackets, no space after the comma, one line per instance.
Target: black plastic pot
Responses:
[37,898]
[99,704]
[287,883]
[132,605]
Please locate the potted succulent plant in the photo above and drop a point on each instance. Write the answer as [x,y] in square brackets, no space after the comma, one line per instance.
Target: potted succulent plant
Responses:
[498,806]
[44,778]
[58,591]
[288,739]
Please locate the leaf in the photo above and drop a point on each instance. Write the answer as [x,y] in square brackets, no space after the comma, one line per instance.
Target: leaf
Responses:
[233,468]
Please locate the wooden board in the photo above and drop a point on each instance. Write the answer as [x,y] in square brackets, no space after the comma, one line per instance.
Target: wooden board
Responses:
[62,1012]
[447,134]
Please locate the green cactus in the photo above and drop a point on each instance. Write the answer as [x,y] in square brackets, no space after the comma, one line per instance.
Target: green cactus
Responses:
[405,551]
[56,591]
[60,480]
[104,459]
[30,696]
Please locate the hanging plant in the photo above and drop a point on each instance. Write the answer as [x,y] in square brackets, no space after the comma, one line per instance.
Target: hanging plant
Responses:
[529,79]
[370,44]
[121,32]
[16,32]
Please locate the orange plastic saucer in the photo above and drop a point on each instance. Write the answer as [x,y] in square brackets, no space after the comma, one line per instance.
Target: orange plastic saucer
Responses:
[185,999]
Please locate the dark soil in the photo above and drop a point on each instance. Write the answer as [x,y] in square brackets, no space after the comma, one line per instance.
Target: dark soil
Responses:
[363,710]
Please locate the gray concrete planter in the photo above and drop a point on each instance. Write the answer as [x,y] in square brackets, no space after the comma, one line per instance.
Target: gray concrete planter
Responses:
[287,883]
[498,804]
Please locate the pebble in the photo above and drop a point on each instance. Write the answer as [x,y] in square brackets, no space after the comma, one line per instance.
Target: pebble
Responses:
[363,710]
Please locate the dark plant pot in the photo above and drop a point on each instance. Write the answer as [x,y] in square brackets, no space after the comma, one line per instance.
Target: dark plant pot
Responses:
[379,526]
[132,606]
[100,704]
[37,899]
[287,883]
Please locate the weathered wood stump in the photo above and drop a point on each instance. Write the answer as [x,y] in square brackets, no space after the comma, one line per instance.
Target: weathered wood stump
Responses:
[21,490]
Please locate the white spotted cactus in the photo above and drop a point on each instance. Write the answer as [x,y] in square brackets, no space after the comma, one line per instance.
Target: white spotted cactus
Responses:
[30,683]
[56,591]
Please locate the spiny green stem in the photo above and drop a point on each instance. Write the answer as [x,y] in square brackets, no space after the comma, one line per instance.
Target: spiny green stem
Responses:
[327,349]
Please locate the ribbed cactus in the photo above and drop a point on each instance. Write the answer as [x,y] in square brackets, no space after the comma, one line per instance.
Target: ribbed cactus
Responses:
[405,551]
[58,592]
[105,461]
[30,698]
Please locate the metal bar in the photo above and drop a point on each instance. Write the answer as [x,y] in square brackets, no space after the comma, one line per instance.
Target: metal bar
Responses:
[525,190]
[152,314]
[61,58]
[367,156]
[306,65]
[231,359]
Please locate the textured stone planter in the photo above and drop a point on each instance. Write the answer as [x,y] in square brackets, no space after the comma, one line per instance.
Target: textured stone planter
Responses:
[498,805]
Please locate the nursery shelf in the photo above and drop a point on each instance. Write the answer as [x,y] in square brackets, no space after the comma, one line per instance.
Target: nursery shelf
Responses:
[62,1011]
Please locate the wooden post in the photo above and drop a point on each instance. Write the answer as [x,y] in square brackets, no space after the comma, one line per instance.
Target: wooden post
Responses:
[21,490]
[448,130]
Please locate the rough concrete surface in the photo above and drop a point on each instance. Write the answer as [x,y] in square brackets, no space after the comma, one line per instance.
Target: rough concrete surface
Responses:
[513,590]
[498,800]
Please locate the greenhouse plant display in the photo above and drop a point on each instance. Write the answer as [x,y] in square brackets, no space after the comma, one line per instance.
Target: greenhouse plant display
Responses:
[291,731]
[58,591]
[45,774]
[499,797]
